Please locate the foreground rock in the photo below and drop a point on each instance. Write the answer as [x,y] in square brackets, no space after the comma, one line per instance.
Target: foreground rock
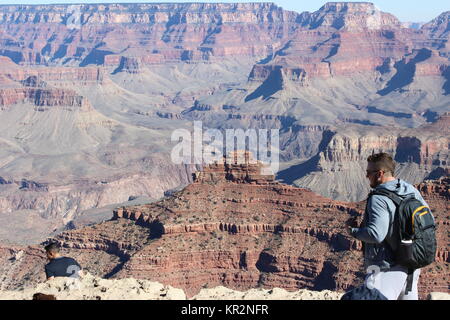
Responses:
[222,293]
[438,296]
[94,288]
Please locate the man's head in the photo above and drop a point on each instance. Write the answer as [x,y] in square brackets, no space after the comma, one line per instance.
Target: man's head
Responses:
[52,251]
[380,169]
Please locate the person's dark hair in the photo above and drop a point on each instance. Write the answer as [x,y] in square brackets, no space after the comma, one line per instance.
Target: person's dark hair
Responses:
[383,161]
[52,248]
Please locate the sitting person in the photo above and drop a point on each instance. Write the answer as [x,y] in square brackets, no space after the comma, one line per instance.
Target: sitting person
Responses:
[60,266]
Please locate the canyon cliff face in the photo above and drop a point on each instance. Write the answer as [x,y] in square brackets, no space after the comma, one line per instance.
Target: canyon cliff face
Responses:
[351,16]
[60,155]
[226,228]
[175,31]
[438,30]
[338,169]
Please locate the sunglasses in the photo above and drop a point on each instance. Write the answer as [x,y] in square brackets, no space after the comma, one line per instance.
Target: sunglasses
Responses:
[372,171]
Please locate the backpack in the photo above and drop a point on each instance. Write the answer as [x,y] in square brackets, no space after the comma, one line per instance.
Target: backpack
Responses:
[413,240]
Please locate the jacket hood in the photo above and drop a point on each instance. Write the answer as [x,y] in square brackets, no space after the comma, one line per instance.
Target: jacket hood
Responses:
[402,188]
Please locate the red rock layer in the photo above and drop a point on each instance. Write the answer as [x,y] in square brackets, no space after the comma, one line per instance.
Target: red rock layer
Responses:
[427,146]
[339,38]
[44,98]
[173,31]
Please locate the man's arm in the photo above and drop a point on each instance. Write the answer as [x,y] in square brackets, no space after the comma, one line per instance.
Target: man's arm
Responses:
[377,224]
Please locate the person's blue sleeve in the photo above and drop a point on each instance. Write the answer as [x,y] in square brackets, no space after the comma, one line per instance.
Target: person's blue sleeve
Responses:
[377,224]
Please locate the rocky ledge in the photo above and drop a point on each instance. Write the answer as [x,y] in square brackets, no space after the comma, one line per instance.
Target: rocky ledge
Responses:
[95,288]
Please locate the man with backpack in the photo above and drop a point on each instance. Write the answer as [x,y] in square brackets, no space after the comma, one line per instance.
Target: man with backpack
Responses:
[398,235]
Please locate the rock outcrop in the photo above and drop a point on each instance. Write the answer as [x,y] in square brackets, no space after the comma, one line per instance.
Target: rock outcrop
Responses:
[43,98]
[438,27]
[238,167]
[352,16]
[420,154]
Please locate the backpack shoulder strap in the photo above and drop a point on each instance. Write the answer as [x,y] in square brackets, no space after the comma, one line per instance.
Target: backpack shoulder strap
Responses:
[397,200]
[390,194]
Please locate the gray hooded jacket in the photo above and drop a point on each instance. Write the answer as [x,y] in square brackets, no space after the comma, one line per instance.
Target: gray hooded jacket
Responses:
[378,218]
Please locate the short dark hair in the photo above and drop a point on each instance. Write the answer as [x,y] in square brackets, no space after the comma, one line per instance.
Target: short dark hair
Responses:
[52,248]
[383,161]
